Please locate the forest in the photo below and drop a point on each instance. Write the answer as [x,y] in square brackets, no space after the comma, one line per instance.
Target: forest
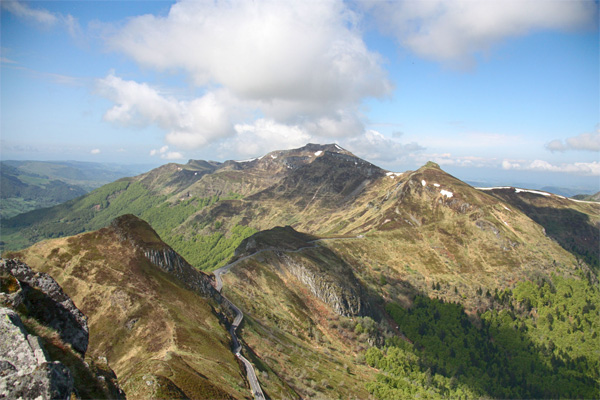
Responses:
[539,341]
[101,206]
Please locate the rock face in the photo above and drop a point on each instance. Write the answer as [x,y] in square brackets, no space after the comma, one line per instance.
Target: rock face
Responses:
[141,235]
[25,370]
[172,263]
[342,294]
[45,300]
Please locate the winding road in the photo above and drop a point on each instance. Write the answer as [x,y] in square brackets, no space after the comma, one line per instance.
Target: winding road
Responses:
[237,347]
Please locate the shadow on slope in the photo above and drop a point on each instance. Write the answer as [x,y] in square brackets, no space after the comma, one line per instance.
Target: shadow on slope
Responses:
[449,356]
[572,229]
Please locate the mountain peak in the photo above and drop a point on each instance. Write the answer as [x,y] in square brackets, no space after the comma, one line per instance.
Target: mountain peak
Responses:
[137,230]
[431,164]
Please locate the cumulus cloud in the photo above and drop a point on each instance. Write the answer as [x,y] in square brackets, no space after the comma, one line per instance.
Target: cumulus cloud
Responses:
[264,135]
[585,141]
[167,155]
[453,31]
[262,50]
[298,64]
[579,168]
[188,123]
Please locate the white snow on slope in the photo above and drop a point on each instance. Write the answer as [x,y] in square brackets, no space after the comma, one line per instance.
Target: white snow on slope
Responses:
[273,156]
[446,193]
[424,182]
[338,147]
[318,153]
[436,184]
[531,191]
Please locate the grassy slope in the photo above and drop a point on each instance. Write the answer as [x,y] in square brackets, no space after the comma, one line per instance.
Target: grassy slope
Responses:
[296,338]
[145,324]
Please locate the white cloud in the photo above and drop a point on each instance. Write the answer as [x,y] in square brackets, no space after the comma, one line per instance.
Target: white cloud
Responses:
[375,147]
[578,168]
[263,136]
[22,10]
[43,17]
[453,31]
[457,161]
[262,50]
[585,141]
[298,64]
[167,155]
[95,151]
[188,123]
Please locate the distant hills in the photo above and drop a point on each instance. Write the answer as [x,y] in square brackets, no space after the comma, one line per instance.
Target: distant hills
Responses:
[353,280]
[29,185]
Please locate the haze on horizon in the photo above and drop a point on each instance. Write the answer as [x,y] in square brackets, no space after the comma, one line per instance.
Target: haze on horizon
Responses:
[498,91]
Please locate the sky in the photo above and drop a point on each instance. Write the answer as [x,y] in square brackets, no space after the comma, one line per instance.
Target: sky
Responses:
[497,91]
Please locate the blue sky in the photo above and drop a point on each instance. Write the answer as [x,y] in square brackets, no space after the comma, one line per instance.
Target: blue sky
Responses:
[497,91]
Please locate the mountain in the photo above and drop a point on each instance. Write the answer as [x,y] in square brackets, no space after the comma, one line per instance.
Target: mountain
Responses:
[348,273]
[586,197]
[155,319]
[44,339]
[574,224]
[29,185]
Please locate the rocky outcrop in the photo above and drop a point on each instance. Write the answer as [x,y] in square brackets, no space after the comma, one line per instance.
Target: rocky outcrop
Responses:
[339,289]
[25,370]
[142,237]
[172,263]
[43,298]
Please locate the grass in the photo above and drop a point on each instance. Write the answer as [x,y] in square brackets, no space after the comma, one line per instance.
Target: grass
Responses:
[114,285]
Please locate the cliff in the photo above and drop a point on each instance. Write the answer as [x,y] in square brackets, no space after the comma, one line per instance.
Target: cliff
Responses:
[43,341]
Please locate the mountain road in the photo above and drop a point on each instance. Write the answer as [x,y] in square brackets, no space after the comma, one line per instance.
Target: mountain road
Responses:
[237,347]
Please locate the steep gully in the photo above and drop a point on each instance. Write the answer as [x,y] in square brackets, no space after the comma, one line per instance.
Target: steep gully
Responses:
[237,347]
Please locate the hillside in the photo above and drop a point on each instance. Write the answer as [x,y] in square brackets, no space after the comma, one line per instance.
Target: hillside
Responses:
[152,316]
[346,272]
[30,185]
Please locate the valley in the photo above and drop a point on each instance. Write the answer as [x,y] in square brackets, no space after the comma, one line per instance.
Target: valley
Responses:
[329,277]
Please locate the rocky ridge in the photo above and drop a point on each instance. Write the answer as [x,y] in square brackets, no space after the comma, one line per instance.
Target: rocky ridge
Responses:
[25,369]
[128,227]
[43,367]
[44,299]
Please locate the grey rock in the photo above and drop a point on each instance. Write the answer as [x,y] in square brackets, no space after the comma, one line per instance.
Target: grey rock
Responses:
[47,302]
[340,289]
[25,371]
[172,263]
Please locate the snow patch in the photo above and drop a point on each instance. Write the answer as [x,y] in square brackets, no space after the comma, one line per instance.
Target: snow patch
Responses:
[436,184]
[273,156]
[318,153]
[249,160]
[195,173]
[338,147]
[532,191]
[423,182]
[583,201]
[506,208]
[446,193]
[492,188]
